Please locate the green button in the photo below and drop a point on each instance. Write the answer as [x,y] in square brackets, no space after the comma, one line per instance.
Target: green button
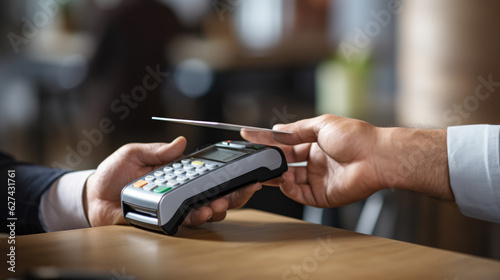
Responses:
[256,147]
[162,189]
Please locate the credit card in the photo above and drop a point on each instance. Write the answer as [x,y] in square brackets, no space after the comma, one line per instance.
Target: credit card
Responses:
[219,125]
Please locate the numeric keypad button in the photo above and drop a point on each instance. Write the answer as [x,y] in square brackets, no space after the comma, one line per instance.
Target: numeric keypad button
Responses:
[172,184]
[150,187]
[182,179]
[202,170]
[170,176]
[159,173]
[188,167]
[192,174]
[179,172]
[168,169]
[211,166]
[160,181]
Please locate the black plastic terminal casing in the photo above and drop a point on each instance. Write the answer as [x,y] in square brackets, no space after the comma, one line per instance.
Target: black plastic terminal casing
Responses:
[148,218]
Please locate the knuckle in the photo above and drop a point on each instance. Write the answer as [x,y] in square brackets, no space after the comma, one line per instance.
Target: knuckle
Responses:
[362,126]
[327,118]
[130,148]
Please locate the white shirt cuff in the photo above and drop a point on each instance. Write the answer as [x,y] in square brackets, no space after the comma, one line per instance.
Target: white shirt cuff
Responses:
[61,206]
[473,160]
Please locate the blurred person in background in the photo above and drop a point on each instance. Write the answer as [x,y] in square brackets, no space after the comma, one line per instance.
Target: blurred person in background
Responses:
[129,69]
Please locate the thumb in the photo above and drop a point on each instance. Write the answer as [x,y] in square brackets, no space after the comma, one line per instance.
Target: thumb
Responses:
[303,131]
[158,153]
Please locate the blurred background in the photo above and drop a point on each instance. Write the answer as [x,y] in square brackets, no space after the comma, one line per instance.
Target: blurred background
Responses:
[78,79]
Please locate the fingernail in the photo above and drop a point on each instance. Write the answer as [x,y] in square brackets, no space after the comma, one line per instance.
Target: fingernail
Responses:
[278,126]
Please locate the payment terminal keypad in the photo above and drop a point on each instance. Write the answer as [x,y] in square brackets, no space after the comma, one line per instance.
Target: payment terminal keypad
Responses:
[175,175]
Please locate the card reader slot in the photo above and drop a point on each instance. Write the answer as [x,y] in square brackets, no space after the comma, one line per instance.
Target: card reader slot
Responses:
[141,216]
[140,209]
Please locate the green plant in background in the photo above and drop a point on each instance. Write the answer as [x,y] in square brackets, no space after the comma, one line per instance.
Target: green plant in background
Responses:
[342,85]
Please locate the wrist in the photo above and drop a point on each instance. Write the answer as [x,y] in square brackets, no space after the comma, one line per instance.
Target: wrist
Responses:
[85,199]
[88,200]
[415,159]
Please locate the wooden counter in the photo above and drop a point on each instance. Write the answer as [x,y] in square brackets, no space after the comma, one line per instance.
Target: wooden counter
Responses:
[249,244]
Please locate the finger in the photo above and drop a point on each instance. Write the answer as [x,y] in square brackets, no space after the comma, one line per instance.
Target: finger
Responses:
[218,217]
[299,153]
[214,211]
[303,131]
[259,137]
[295,153]
[197,217]
[238,198]
[155,153]
[277,181]
[273,182]
[219,206]
[317,164]
[301,193]
[118,217]
[165,153]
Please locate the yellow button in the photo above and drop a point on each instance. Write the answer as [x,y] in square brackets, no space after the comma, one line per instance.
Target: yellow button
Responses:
[140,184]
[197,163]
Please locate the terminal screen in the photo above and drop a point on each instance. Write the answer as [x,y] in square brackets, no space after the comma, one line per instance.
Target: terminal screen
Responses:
[223,155]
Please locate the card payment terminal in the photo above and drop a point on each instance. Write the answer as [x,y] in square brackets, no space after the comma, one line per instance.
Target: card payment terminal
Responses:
[162,199]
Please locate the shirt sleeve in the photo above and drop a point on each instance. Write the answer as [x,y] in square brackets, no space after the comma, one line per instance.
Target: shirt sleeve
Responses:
[474,166]
[61,206]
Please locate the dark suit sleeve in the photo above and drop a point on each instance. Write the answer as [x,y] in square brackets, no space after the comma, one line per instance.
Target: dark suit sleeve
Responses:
[30,183]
